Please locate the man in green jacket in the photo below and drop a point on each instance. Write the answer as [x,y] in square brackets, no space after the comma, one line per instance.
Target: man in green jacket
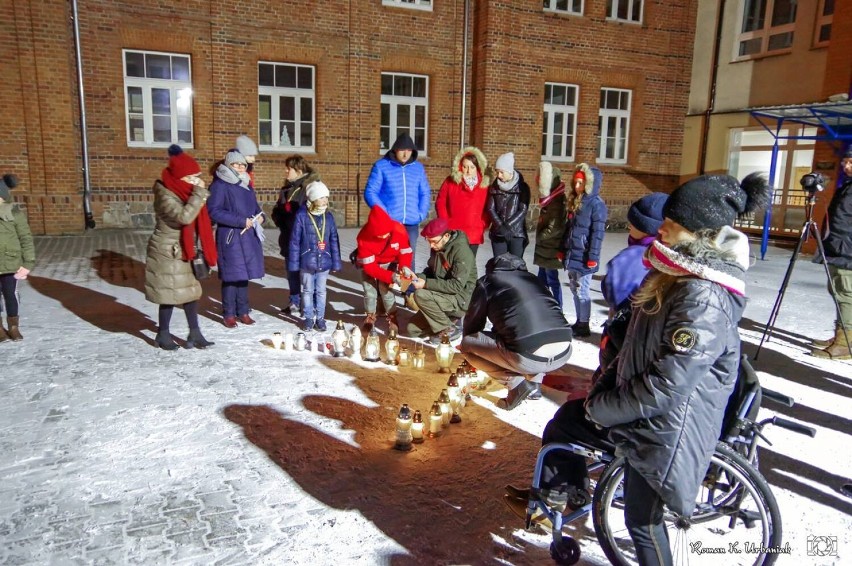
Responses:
[442,292]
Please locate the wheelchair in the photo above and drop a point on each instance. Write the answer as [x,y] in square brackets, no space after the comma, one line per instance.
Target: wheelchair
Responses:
[736,514]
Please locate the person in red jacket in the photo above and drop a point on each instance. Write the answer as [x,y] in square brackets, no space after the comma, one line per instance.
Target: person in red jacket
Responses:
[461,198]
[383,252]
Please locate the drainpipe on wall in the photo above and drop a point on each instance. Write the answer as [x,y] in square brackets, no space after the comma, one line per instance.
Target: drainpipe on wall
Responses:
[711,103]
[84,139]
[462,143]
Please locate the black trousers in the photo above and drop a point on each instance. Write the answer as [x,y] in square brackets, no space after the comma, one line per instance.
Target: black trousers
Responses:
[563,469]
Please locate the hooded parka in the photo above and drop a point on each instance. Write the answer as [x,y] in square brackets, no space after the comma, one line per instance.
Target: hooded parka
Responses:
[551,219]
[584,232]
[169,279]
[402,189]
[462,205]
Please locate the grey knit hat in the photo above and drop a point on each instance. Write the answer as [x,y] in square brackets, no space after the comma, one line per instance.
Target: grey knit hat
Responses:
[505,162]
[234,156]
[9,182]
[246,146]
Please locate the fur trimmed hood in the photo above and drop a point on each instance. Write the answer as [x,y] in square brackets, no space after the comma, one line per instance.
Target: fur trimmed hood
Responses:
[481,163]
[549,177]
[593,177]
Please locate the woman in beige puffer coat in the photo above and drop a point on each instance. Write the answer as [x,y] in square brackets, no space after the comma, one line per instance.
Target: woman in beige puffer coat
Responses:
[183,227]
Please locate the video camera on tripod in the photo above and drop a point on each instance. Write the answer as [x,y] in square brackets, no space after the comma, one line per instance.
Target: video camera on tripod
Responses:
[812,182]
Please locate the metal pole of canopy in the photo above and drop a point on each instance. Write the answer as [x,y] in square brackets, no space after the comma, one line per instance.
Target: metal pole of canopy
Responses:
[767,218]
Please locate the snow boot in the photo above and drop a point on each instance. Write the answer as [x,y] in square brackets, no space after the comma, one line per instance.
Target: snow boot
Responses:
[839,349]
[393,324]
[823,344]
[164,340]
[369,322]
[196,340]
[14,333]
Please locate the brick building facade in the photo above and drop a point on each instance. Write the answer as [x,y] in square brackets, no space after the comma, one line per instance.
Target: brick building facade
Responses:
[542,79]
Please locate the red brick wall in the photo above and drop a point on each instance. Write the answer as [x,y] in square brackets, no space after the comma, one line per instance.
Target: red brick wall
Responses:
[514,49]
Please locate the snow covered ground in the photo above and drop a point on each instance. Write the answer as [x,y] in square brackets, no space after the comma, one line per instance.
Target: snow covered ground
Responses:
[115,452]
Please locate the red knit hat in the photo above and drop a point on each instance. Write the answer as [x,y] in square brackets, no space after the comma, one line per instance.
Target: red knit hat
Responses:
[579,175]
[181,164]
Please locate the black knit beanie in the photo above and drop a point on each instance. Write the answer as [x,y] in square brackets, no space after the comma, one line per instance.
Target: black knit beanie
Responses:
[646,214]
[712,201]
[9,181]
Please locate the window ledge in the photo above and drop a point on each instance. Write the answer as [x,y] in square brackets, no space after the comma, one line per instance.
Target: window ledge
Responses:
[407,6]
[159,145]
[558,159]
[627,22]
[759,56]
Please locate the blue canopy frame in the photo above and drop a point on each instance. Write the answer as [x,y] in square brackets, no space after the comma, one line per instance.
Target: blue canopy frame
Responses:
[834,123]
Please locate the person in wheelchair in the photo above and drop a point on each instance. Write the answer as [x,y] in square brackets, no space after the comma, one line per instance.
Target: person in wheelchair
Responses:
[664,398]
[565,477]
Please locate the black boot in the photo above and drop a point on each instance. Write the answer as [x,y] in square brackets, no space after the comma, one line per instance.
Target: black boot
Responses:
[196,340]
[164,340]
[516,396]
[581,329]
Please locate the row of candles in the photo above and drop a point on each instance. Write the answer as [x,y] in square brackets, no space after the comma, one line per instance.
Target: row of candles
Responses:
[350,344]
[445,410]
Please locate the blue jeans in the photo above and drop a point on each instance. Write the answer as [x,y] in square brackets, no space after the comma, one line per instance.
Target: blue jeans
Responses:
[313,294]
[235,298]
[643,516]
[550,278]
[413,232]
[580,284]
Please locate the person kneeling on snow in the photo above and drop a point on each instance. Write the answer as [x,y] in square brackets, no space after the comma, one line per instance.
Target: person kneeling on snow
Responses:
[529,335]
[443,290]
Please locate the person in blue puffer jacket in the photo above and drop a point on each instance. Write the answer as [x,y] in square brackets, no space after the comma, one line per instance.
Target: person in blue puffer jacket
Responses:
[314,252]
[398,184]
[581,245]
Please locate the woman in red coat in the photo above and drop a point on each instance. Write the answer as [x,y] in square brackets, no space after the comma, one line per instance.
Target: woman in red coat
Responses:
[461,199]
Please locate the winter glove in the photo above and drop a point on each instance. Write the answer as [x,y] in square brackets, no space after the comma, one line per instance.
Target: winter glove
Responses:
[21,273]
[591,264]
[560,256]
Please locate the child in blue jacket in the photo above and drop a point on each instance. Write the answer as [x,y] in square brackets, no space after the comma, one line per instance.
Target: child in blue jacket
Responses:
[314,252]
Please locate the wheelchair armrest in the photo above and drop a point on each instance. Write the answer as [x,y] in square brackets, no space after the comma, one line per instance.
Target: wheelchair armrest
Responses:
[778,397]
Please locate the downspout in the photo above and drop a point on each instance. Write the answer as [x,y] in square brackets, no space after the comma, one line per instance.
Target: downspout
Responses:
[711,105]
[462,143]
[84,139]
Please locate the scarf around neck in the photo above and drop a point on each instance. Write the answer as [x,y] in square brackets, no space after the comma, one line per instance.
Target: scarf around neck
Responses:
[724,263]
[510,184]
[557,192]
[230,176]
[200,226]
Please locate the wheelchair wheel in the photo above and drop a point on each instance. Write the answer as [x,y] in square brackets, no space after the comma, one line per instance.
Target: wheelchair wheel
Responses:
[735,519]
[566,552]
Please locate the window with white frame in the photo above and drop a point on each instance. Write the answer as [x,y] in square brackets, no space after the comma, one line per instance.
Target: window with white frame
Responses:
[157,98]
[567,6]
[559,125]
[614,125]
[405,107]
[825,14]
[285,107]
[767,27]
[625,10]
[416,4]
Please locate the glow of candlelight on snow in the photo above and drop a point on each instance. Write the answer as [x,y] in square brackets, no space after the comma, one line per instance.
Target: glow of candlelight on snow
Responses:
[488,445]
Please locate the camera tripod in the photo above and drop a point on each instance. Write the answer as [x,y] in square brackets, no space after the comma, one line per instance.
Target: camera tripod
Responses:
[808,229]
